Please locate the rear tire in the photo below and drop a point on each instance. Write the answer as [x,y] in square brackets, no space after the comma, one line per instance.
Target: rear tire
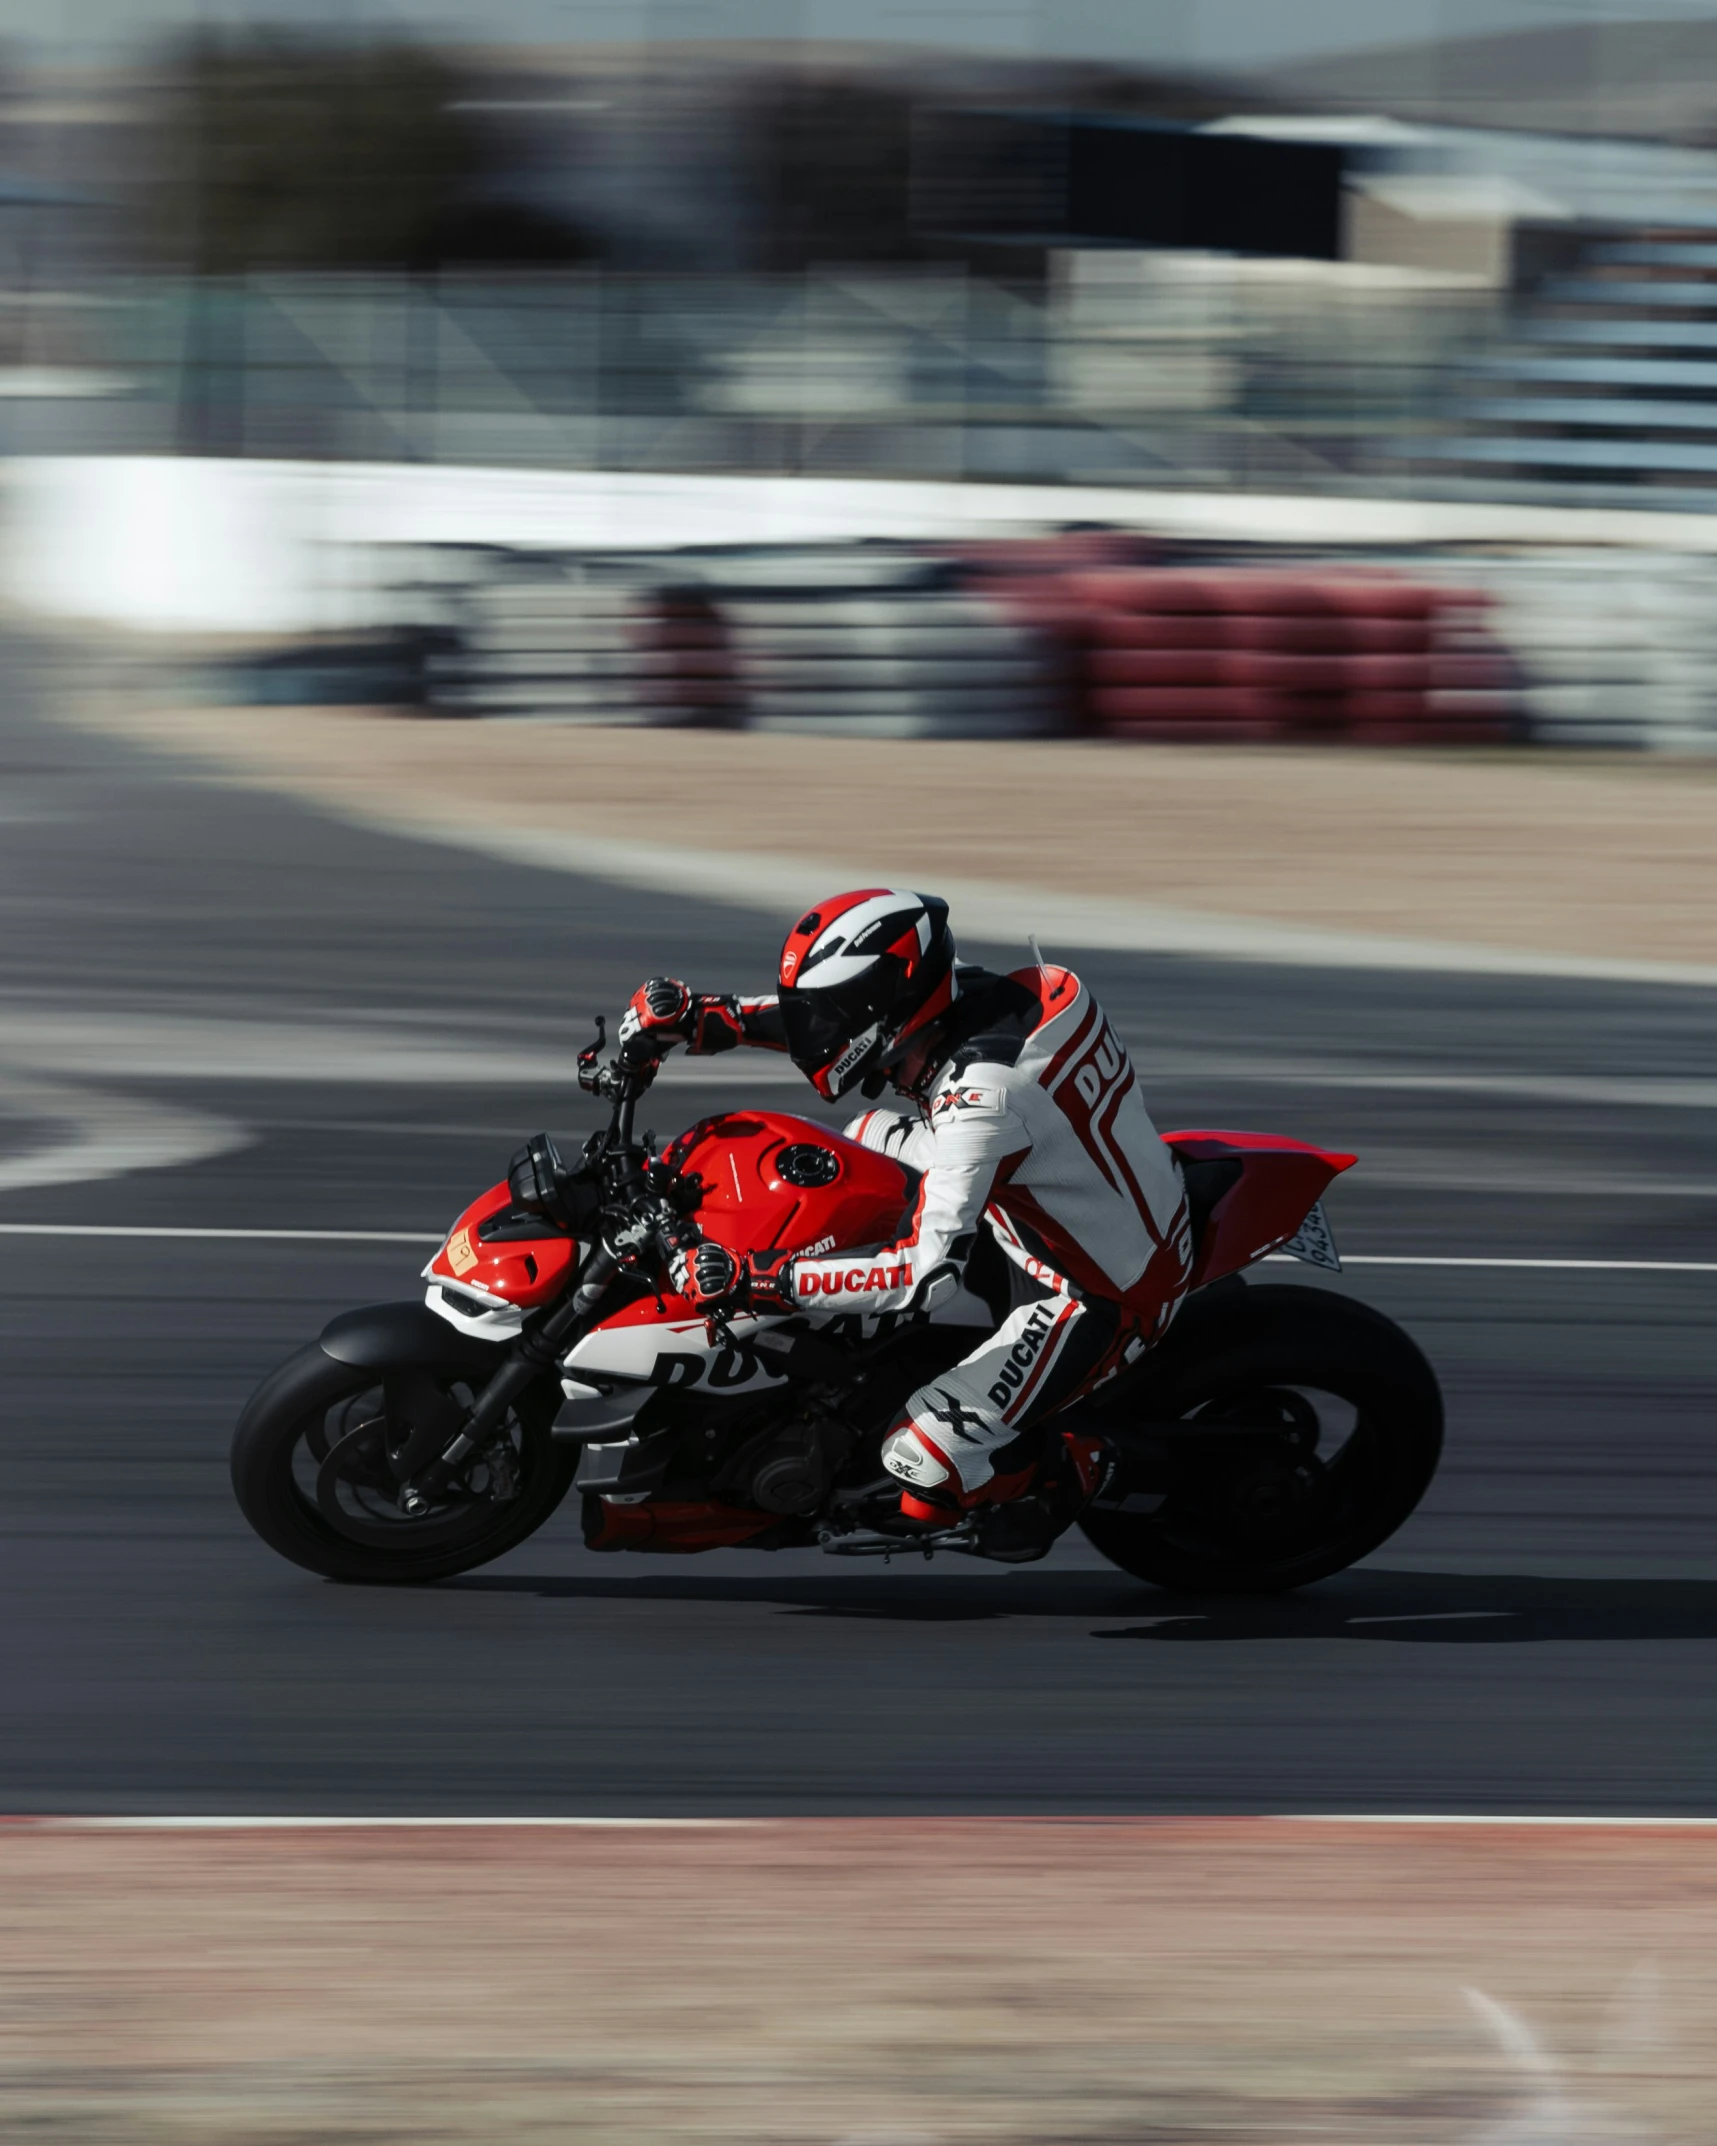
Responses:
[291,1425]
[1276,1354]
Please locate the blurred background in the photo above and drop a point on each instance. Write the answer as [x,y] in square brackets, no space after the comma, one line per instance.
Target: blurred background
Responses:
[1197,250]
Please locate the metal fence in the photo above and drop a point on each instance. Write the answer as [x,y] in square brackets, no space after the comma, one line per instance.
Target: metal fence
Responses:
[1185,370]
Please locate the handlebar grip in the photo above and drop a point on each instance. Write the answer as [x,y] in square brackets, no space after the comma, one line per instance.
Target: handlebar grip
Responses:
[641,1053]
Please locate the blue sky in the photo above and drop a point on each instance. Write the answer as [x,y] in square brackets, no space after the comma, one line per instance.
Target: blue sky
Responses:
[1208,32]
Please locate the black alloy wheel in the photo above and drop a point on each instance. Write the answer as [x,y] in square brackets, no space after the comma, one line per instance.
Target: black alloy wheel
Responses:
[1278,1435]
[322,1451]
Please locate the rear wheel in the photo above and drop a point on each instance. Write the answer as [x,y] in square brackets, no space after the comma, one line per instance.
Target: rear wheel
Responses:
[1280,1434]
[322,1449]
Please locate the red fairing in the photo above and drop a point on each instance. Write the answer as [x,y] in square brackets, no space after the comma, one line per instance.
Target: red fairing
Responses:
[526,1271]
[1280,1181]
[749,1206]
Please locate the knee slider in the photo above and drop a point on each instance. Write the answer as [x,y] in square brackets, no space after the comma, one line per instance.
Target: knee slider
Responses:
[908,1454]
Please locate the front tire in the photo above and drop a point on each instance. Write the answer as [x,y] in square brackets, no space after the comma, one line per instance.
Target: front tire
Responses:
[1364,1420]
[315,1458]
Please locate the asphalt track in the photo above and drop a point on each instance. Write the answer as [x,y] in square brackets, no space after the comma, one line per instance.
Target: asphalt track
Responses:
[222,1011]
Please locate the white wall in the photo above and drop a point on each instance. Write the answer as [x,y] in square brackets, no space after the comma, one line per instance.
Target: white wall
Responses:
[197,545]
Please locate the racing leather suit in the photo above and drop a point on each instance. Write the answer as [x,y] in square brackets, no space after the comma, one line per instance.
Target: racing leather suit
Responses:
[1031,1134]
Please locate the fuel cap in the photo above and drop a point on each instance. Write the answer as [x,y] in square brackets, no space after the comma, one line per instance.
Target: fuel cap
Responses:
[807,1165]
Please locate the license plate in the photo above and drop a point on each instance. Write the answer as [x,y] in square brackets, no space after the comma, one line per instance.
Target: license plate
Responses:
[1313,1242]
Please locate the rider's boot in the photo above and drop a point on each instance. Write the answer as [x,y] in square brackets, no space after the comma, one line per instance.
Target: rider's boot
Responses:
[1015,1517]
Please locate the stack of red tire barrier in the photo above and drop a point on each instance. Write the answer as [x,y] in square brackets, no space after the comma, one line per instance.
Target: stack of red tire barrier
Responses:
[1259,655]
[1255,654]
[685,671]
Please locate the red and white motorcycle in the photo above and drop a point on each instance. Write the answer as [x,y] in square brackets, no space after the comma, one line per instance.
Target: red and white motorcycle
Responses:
[1277,1434]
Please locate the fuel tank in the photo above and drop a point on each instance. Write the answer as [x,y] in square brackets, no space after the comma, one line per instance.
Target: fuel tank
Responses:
[771,1182]
[767,1182]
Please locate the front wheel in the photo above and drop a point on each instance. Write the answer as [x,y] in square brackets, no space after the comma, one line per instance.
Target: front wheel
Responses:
[1278,1435]
[322,1449]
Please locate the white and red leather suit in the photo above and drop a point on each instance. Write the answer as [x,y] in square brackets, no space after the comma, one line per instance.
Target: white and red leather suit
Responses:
[1030,1132]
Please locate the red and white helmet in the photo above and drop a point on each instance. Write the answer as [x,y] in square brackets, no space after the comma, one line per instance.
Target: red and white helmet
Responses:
[861,975]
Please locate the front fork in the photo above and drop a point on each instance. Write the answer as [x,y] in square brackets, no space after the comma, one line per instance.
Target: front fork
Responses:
[535,1352]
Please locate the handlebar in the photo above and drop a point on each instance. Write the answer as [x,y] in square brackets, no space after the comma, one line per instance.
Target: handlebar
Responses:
[623,1080]
[649,1225]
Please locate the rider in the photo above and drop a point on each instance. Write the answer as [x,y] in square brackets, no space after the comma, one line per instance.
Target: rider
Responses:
[1023,1114]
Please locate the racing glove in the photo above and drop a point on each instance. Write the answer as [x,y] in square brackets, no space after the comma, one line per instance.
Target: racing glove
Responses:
[705,1272]
[662,1012]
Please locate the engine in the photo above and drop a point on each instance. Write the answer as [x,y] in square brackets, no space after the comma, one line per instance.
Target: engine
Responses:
[791,1467]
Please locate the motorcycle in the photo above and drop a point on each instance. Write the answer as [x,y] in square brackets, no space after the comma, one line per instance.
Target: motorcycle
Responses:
[1275,1435]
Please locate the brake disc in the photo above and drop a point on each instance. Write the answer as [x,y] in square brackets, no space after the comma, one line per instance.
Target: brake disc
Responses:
[360,1462]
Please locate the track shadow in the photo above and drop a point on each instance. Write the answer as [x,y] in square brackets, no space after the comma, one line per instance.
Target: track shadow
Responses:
[1394,1608]
[1444,1610]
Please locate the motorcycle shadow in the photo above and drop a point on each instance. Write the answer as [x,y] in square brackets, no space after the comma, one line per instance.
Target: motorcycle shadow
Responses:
[907,1597]
[1372,1605]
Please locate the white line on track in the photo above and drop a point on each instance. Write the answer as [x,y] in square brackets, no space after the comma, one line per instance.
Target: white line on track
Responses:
[399,1236]
[199,1823]
[261,1236]
[1571,1266]
[94,1134]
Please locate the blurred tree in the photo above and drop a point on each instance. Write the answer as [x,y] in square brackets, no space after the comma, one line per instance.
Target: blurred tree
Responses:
[274,150]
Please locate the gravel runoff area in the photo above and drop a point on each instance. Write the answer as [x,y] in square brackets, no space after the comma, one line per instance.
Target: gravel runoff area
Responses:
[861,1983]
[1612,856]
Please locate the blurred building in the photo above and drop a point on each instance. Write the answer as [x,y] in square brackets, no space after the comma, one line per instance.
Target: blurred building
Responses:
[758,258]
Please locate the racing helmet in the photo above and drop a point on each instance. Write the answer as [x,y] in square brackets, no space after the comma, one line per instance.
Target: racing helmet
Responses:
[861,975]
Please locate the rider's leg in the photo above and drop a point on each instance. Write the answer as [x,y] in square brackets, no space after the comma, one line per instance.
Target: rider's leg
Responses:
[977,1435]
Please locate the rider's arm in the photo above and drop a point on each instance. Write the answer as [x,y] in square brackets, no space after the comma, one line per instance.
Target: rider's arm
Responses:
[719,1023]
[904,1134]
[705,1022]
[973,1137]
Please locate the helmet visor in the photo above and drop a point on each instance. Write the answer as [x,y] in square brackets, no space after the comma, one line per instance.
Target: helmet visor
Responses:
[820,1025]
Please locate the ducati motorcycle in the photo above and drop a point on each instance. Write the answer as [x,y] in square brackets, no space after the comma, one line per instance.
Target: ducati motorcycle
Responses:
[1276,1434]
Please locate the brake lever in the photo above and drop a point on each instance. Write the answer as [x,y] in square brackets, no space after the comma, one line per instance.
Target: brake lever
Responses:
[590,1059]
